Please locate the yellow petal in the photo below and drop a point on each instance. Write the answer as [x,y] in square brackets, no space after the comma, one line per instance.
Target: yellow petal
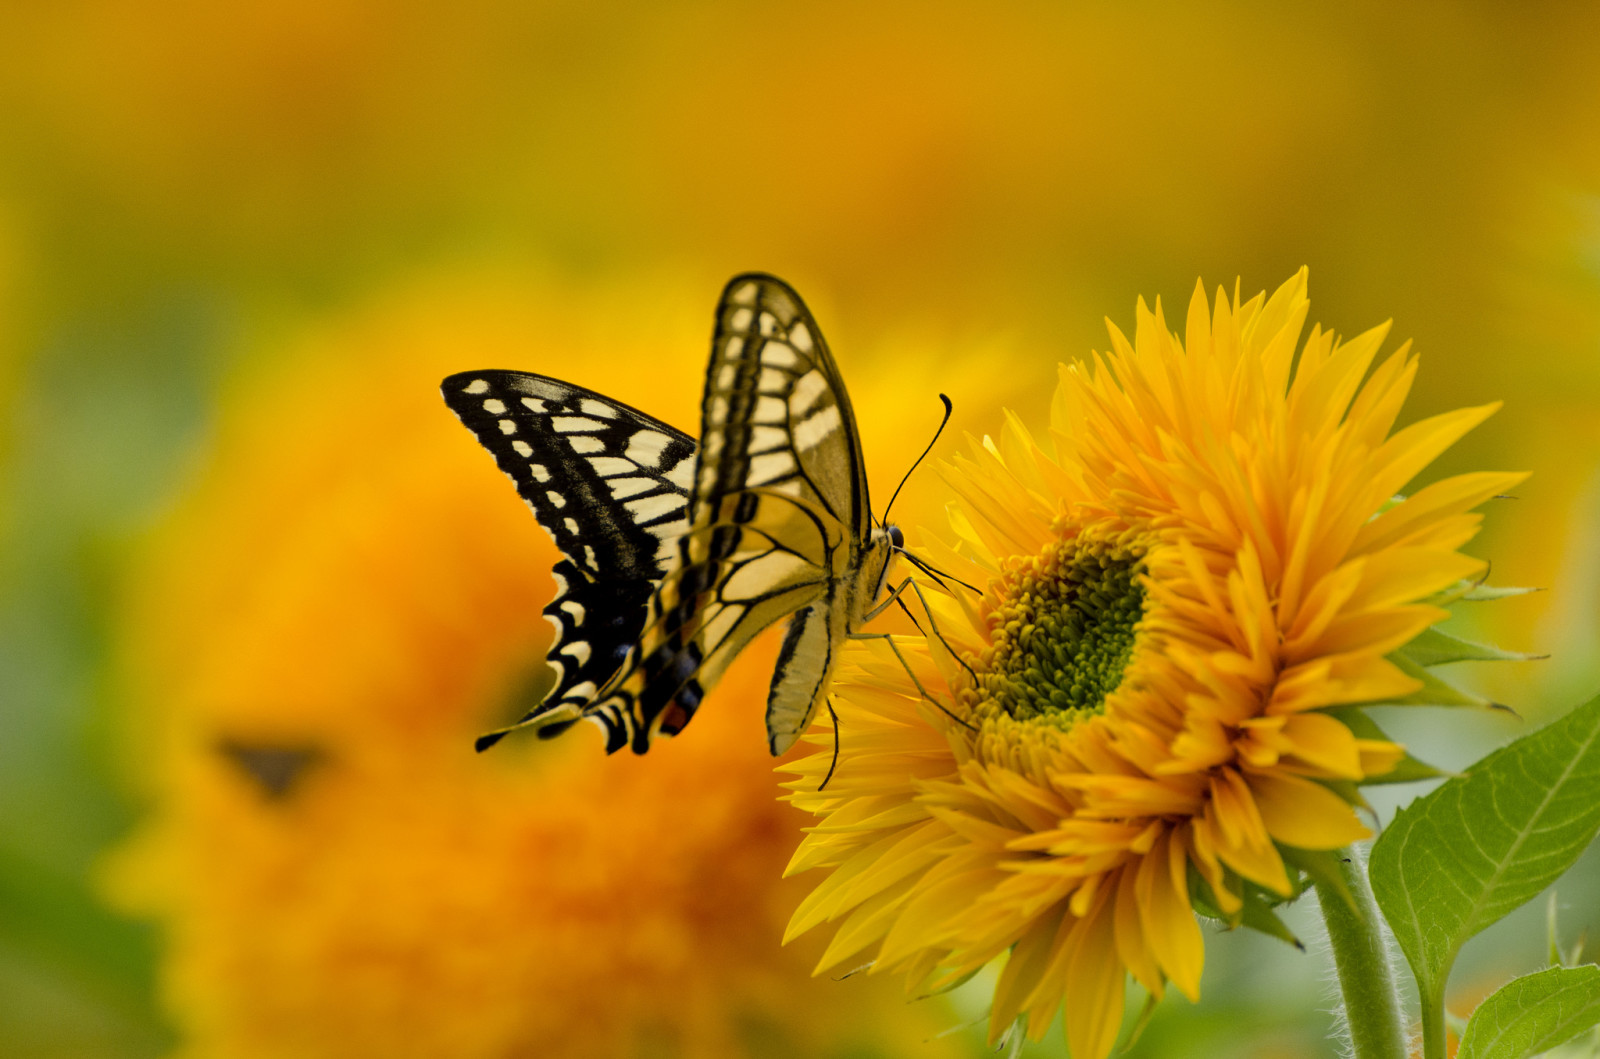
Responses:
[1303,813]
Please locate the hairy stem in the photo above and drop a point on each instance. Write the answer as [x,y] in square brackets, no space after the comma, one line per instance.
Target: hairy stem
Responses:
[1366,974]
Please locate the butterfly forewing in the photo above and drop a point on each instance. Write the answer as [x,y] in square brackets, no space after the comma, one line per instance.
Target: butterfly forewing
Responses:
[777,408]
[610,485]
[779,506]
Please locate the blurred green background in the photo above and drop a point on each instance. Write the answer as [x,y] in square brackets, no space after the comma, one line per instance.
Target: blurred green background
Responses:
[188,191]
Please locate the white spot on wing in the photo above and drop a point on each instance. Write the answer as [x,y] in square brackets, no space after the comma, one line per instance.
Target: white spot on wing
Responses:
[578,649]
[682,474]
[523,448]
[533,404]
[670,530]
[650,508]
[574,608]
[773,570]
[765,438]
[815,430]
[476,386]
[571,424]
[585,690]
[588,557]
[770,410]
[740,320]
[584,443]
[590,406]
[494,406]
[766,467]
[735,348]
[555,498]
[622,488]
[779,355]
[571,524]
[768,324]
[772,380]
[645,447]
[745,295]
[507,426]
[800,337]
[811,386]
[539,472]
[606,466]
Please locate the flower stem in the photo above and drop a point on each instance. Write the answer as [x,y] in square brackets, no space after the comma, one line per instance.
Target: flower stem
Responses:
[1366,975]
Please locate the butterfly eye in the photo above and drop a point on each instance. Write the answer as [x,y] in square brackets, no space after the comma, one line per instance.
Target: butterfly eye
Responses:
[896,538]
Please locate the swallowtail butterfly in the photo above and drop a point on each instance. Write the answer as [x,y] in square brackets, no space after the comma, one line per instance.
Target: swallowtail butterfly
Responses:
[676,556]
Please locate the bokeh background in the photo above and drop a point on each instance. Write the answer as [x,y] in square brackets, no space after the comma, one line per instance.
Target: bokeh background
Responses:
[258,590]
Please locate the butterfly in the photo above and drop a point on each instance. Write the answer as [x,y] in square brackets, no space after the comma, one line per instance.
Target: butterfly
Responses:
[676,555]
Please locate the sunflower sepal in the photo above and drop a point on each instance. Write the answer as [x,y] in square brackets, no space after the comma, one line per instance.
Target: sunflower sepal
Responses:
[1435,691]
[1479,591]
[1255,907]
[1434,647]
[1407,770]
[1321,866]
[933,984]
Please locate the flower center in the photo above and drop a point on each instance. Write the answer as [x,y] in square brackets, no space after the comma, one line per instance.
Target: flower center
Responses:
[1063,631]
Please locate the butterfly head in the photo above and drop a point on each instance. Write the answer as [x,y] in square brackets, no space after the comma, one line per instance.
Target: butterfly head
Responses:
[883,546]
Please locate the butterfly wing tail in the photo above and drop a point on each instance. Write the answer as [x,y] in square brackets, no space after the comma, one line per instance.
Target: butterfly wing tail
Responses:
[549,724]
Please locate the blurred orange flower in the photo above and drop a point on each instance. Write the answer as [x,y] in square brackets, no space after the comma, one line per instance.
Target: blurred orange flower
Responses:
[351,595]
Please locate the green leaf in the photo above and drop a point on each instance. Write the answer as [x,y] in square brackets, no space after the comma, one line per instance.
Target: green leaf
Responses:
[1533,1014]
[1458,859]
[1435,648]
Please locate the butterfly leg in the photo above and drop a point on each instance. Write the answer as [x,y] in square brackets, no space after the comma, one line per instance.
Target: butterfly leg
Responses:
[887,638]
[894,597]
[934,625]
[835,763]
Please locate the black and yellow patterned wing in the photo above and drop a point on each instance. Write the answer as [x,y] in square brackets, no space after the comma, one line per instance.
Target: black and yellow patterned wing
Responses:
[780,518]
[611,487]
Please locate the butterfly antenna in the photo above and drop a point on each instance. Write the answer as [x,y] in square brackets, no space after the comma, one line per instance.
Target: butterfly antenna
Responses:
[948,410]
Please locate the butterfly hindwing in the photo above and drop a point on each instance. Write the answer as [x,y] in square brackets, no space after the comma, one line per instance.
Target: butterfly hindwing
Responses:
[610,485]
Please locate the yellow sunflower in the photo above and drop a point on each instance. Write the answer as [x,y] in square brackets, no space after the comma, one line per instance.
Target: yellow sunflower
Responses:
[1149,708]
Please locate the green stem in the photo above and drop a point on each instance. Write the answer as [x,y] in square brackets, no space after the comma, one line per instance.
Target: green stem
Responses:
[1366,975]
[1433,1043]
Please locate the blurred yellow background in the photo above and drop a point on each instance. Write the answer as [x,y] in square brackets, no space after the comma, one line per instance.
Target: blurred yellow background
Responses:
[239,244]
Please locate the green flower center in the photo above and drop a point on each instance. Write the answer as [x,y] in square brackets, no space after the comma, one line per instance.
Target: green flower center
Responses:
[1063,632]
